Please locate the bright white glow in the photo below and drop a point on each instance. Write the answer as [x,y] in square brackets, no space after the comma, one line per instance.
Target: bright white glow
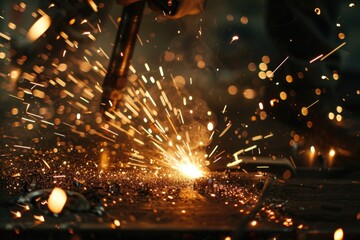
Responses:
[332,153]
[210,126]
[190,170]
[57,200]
[312,149]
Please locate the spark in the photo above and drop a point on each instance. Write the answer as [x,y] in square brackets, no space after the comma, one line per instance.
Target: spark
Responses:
[84,99]
[332,153]
[138,165]
[60,82]
[234,163]
[172,125]
[113,21]
[220,153]
[117,223]
[17,214]
[139,141]
[132,69]
[21,146]
[39,218]
[261,106]
[250,148]
[263,167]
[200,31]
[108,130]
[317,11]
[28,120]
[312,149]
[213,151]
[234,38]
[147,67]
[312,104]
[339,234]
[324,77]
[120,115]
[36,84]
[181,116]
[138,157]
[210,126]
[256,138]
[59,176]
[39,28]
[103,52]
[269,135]
[238,153]
[228,126]
[46,164]
[332,51]
[139,39]
[212,135]
[316,58]
[161,71]
[217,159]
[13,96]
[48,123]
[272,74]
[6,37]
[69,125]
[93,5]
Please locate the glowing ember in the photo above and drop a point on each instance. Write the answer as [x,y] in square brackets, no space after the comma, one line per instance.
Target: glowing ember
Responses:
[57,200]
[190,170]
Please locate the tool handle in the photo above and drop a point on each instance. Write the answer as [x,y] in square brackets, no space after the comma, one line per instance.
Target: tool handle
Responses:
[116,77]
